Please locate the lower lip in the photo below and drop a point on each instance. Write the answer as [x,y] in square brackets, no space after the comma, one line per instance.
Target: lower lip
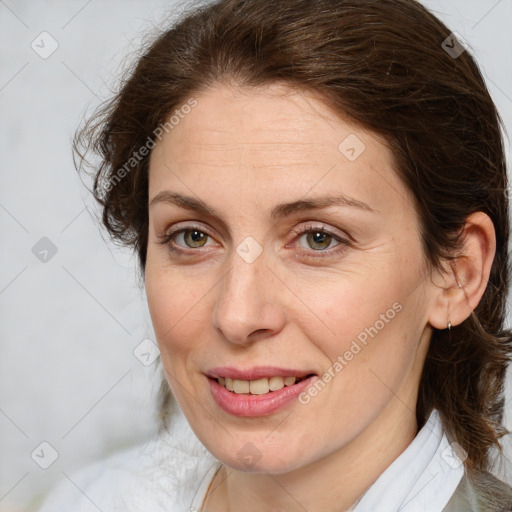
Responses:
[256,405]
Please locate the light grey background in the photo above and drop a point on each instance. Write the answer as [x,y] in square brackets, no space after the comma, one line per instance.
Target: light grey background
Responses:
[68,375]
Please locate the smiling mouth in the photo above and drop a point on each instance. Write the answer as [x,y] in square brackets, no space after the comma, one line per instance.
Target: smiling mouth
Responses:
[259,386]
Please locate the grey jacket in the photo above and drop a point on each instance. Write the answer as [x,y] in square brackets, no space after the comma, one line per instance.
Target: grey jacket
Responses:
[480,492]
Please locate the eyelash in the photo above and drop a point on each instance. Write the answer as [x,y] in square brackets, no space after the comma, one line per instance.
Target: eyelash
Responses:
[343,243]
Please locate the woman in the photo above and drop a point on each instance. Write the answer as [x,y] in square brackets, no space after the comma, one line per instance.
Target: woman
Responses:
[316,191]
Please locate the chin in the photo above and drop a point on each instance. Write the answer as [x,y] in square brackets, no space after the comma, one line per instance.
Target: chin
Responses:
[249,456]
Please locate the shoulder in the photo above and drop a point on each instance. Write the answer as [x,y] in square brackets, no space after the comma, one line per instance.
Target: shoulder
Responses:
[481,491]
[159,475]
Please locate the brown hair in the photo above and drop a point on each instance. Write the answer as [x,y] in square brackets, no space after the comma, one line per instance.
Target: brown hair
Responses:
[381,63]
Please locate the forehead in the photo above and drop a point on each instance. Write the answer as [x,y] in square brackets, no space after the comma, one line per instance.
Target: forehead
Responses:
[275,138]
[275,117]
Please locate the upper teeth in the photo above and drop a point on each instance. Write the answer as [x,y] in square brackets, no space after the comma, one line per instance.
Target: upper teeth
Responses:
[256,387]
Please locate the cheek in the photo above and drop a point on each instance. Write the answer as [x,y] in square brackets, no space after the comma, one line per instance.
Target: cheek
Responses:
[361,323]
[175,307]
[345,306]
[177,315]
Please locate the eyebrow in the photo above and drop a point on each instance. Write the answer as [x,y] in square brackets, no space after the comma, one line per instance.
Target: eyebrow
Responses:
[279,211]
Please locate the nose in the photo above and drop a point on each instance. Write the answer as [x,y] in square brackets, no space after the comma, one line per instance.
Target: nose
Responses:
[248,305]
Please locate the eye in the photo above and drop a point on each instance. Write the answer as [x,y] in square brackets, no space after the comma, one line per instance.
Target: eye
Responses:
[320,238]
[193,237]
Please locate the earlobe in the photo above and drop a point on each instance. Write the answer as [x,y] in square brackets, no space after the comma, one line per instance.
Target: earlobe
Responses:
[463,286]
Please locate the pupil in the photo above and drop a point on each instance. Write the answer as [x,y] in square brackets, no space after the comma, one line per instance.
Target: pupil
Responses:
[196,236]
[319,238]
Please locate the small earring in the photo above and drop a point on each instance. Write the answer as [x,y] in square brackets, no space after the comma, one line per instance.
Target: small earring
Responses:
[449,325]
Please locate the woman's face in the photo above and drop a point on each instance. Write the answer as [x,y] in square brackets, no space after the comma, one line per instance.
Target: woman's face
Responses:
[248,293]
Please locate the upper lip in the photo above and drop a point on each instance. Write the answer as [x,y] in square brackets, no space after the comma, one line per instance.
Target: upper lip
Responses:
[255,373]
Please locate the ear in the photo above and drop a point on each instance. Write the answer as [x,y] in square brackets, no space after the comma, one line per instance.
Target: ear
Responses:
[460,287]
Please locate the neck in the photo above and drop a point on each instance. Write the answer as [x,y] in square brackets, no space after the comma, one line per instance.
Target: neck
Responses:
[330,484]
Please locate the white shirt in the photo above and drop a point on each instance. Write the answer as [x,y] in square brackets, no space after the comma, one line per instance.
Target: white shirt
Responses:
[172,472]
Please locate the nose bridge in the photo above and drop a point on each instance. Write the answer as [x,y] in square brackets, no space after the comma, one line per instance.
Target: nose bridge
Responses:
[241,306]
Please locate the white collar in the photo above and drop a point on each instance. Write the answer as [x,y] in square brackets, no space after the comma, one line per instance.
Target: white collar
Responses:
[422,478]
